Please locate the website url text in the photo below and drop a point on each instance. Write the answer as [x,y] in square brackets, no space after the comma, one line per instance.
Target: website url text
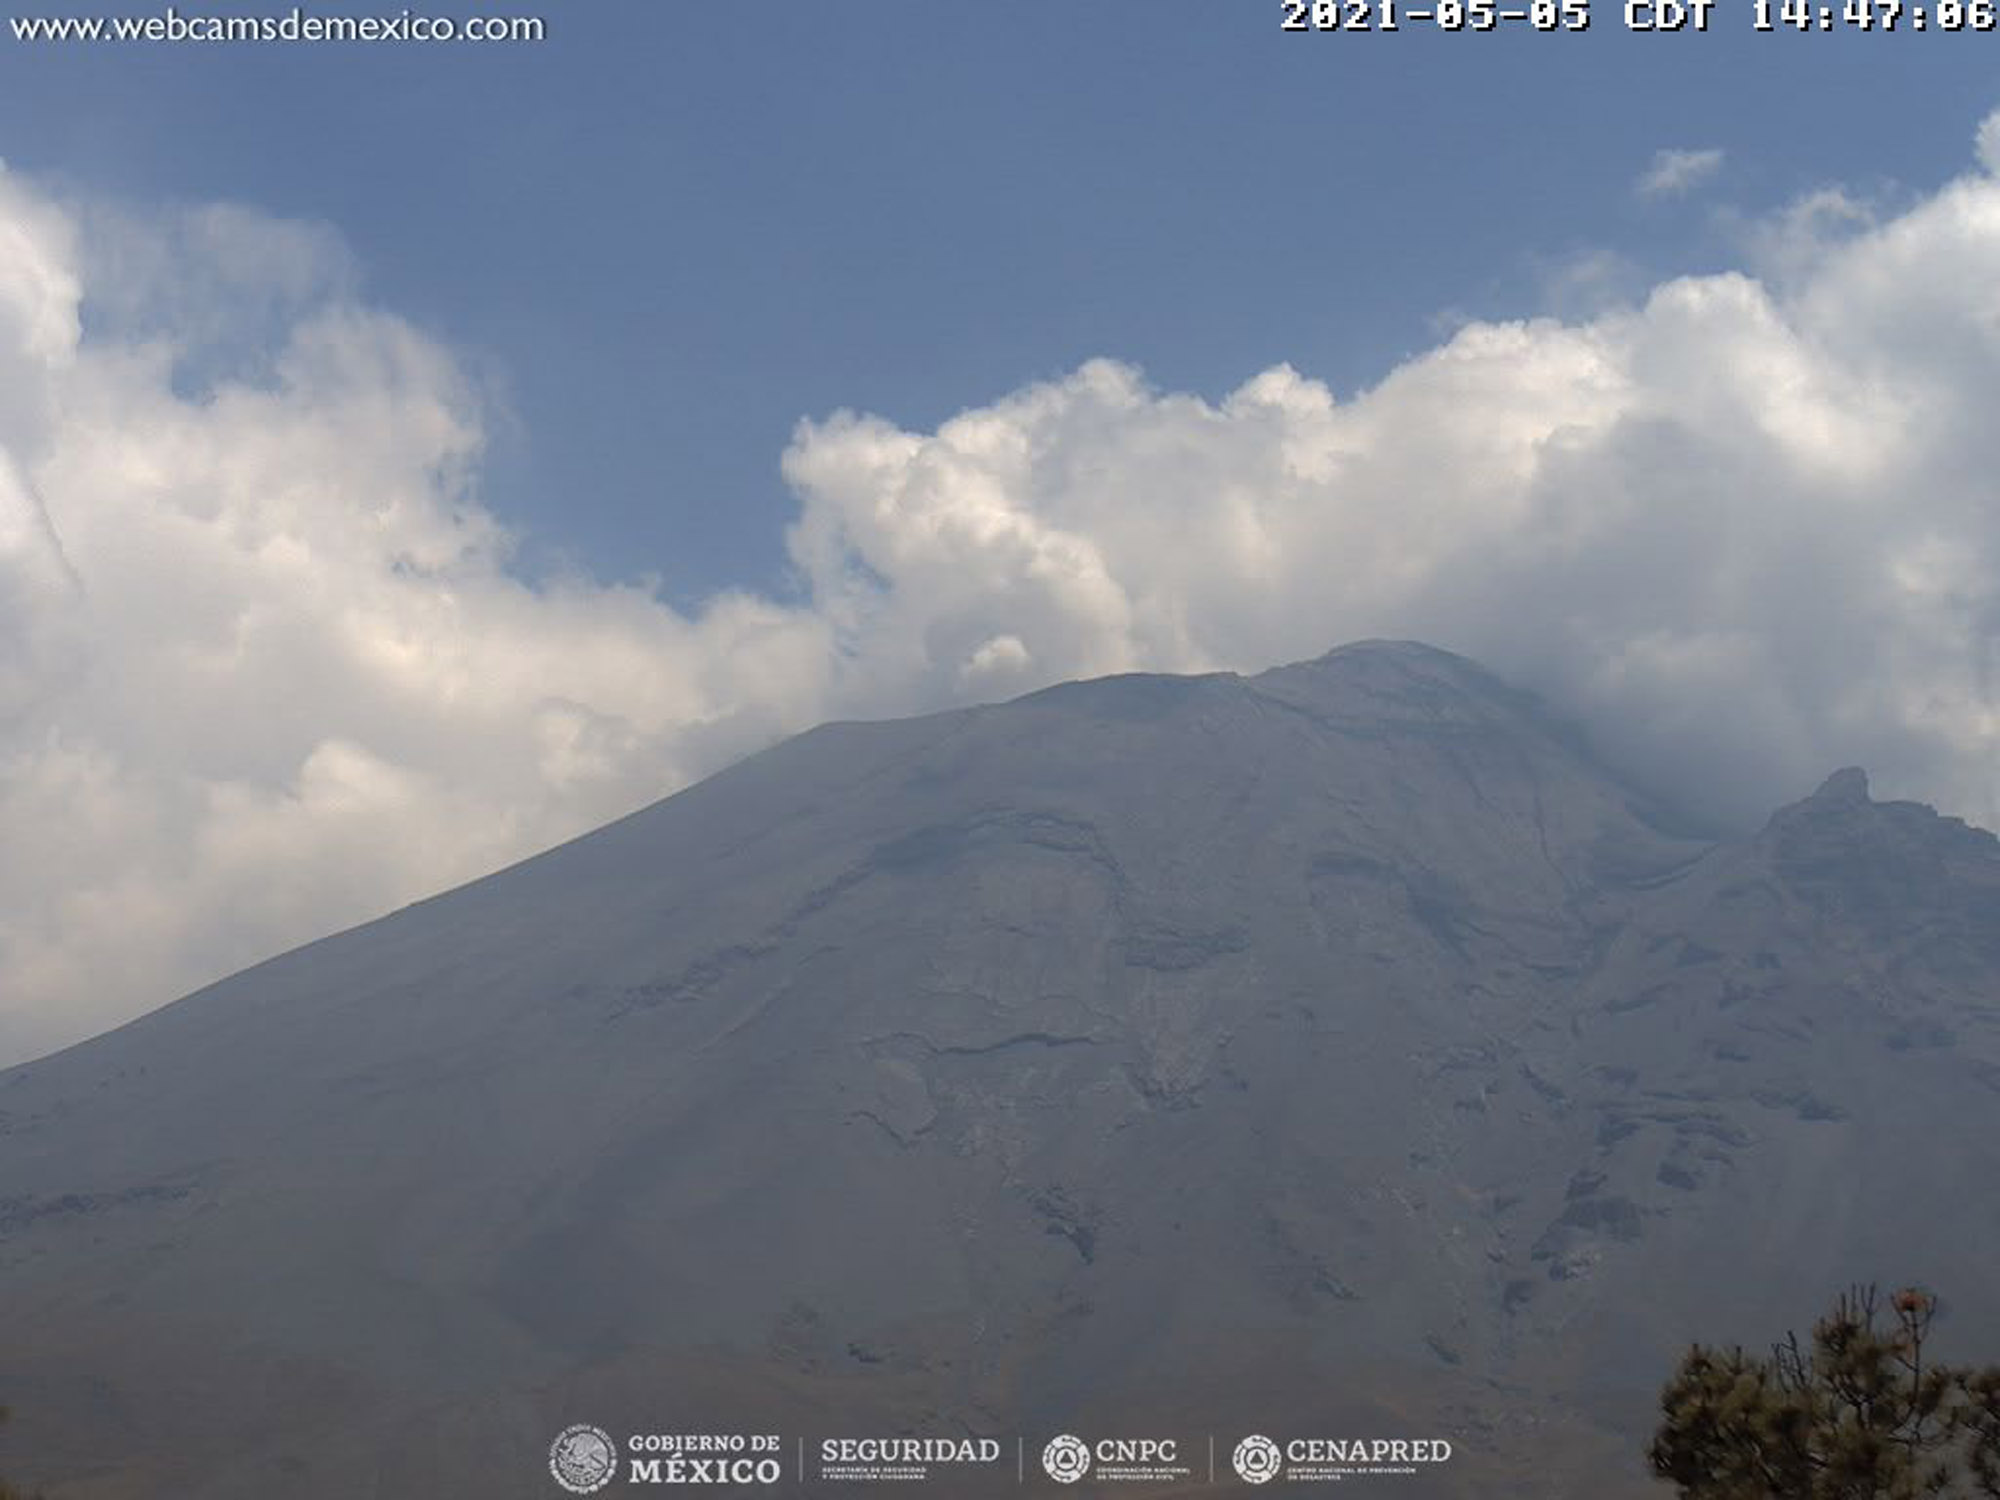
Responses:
[296,26]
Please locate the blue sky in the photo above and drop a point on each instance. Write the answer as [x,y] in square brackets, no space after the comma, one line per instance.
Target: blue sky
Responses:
[413,456]
[673,230]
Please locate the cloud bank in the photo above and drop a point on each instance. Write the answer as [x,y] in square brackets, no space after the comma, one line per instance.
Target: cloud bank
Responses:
[267,669]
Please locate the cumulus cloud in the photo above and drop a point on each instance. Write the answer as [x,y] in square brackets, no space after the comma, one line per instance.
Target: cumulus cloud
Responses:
[268,670]
[1674,172]
[1786,247]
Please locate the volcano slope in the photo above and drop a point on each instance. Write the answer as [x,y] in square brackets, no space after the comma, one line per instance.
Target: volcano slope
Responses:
[1339,1051]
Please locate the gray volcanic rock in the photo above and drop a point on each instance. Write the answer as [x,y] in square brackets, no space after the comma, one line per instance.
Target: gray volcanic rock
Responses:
[1337,1051]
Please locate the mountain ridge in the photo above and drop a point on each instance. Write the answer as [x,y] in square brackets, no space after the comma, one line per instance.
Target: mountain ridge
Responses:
[1339,1042]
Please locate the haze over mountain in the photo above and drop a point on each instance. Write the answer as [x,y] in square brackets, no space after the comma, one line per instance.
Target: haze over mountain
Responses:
[1343,1049]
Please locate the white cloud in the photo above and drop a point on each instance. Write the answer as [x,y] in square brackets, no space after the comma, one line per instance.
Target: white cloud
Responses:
[1989,143]
[1674,172]
[1788,246]
[268,672]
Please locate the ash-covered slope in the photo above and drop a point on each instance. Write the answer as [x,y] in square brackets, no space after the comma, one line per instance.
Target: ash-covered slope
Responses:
[1336,1049]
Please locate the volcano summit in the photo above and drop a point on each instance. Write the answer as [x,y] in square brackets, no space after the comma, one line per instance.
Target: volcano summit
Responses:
[1341,1052]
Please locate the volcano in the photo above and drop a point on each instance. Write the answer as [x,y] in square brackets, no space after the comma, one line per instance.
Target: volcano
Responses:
[1340,1051]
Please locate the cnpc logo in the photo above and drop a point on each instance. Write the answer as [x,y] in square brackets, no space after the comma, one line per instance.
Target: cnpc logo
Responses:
[1066,1459]
[1069,1458]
